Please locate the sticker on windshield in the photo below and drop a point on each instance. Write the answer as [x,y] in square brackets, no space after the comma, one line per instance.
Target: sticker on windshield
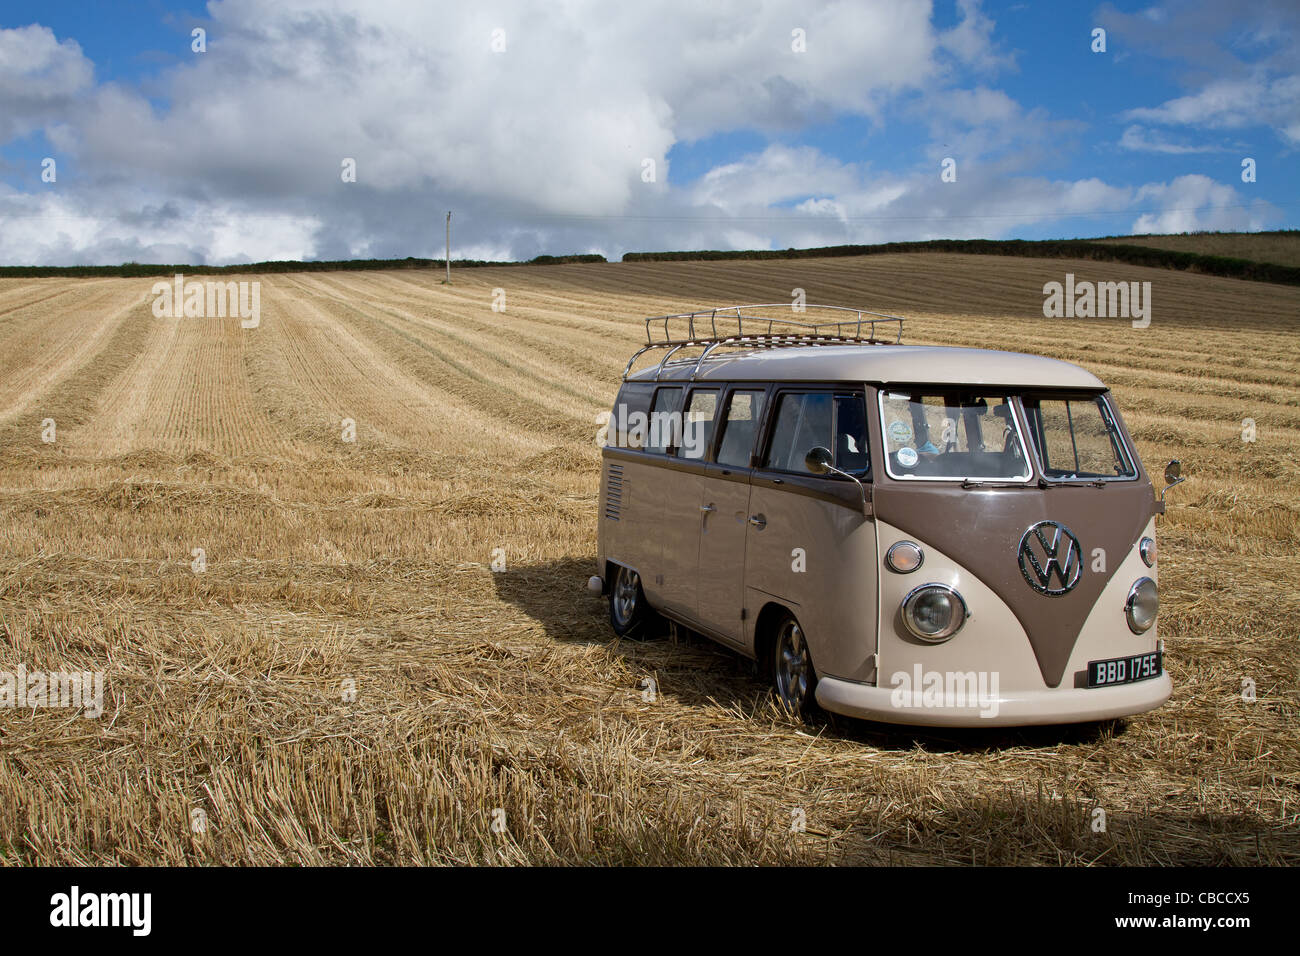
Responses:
[907,456]
[900,433]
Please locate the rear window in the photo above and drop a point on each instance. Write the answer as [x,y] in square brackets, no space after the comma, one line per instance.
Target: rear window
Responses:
[629,419]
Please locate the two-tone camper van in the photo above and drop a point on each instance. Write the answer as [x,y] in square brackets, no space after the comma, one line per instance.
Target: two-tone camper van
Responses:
[910,534]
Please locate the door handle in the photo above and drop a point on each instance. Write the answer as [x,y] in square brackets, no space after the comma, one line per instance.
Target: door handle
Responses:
[758,521]
[708,509]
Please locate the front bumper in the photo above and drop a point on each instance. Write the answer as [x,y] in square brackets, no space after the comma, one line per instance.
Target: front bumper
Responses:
[1023,708]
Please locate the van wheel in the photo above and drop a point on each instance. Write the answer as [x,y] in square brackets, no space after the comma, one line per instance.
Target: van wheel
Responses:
[628,611]
[792,669]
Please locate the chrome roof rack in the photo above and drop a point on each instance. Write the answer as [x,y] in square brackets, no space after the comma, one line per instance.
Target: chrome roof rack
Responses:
[742,329]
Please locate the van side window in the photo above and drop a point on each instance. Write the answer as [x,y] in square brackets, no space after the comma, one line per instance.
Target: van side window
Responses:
[851,434]
[697,424]
[740,427]
[664,420]
[627,421]
[807,420]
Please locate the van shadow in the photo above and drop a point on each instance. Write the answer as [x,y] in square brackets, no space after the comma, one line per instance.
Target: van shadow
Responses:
[699,672]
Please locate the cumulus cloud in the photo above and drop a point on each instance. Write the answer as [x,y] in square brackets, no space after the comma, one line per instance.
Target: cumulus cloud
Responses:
[1234,104]
[1140,140]
[1191,203]
[534,123]
[526,118]
[1239,61]
[40,78]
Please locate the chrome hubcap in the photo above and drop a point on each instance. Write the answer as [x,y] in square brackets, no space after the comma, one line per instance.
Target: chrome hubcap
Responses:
[792,665]
[625,587]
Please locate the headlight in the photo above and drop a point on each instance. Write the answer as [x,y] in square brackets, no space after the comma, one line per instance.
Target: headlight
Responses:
[934,612]
[1142,605]
[1147,548]
[904,557]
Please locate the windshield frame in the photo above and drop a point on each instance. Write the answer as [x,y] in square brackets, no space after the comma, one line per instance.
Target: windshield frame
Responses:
[1012,399]
[1120,437]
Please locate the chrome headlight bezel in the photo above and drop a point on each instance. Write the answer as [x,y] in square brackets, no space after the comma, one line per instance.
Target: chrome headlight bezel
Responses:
[1132,609]
[947,633]
[1147,549]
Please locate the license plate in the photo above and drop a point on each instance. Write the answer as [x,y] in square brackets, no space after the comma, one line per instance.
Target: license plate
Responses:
[1124,670]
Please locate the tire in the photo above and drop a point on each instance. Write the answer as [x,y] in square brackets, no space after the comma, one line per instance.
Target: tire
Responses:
[793,675]
[629,614]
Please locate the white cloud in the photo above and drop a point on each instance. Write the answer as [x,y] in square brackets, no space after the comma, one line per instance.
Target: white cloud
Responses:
[59,229]
[971,41]
[1233,104]
[39,77]
[1194,203]
[1140,140]
[556,126]
[537,149]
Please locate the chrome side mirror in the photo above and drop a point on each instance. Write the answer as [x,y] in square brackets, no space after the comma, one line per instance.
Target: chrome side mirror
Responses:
[1173,476]
[818,462]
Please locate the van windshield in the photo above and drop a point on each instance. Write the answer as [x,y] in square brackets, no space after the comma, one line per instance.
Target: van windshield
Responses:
[931,435]
[1077,439]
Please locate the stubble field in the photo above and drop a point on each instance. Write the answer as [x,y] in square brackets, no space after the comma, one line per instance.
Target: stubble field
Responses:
[495,718]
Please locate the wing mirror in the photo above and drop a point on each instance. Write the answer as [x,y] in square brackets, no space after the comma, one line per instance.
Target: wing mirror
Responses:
[1173,476]
[818,462]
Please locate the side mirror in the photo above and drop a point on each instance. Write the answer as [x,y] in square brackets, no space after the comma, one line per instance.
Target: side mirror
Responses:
[1173,476]
[818,460]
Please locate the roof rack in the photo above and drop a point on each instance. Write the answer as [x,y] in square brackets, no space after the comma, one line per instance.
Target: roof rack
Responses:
[701,329]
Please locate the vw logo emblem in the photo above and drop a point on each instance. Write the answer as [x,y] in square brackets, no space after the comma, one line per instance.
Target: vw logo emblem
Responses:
[1049,552]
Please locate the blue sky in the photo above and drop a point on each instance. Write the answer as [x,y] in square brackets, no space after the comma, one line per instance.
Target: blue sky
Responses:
[764,125]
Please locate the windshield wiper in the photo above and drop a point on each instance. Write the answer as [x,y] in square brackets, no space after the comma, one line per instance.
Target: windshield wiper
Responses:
[1076,482]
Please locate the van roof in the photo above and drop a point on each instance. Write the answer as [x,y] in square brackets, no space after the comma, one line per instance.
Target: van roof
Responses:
[879,364]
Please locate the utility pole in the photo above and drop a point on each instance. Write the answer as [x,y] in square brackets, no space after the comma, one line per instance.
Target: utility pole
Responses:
[447,281]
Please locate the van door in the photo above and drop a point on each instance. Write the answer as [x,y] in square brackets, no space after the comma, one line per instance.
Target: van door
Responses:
[809,545]
[683,485]
[725,510]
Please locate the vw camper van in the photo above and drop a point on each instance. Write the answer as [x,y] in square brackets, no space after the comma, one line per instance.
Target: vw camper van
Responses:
[909,534]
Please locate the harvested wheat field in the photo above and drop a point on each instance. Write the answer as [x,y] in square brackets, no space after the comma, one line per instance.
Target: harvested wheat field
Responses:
[231,733]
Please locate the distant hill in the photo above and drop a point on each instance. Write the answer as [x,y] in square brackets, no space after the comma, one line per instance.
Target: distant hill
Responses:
[1139,251]
[1280,246]
[1258,256]
[133,269]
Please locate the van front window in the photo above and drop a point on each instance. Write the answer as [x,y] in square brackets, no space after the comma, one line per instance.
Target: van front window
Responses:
[952,435]
[808,420]
[1077,438]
